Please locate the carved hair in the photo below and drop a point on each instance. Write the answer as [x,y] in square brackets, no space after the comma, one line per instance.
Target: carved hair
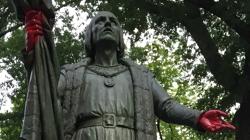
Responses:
[89,45]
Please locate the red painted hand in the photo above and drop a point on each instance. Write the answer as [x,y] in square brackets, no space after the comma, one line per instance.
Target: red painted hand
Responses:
[33,27]
[211,121]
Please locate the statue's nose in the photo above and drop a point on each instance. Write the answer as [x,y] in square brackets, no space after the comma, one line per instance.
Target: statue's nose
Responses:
[107,23]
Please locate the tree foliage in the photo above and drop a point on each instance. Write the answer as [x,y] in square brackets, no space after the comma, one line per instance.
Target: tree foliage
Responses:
[201,51]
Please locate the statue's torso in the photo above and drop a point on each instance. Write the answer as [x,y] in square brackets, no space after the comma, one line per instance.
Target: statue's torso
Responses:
[101,96]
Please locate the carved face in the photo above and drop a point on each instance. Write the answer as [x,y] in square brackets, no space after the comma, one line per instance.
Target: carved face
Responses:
[106,29]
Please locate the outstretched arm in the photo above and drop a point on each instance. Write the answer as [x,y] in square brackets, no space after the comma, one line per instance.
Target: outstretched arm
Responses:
[170,111]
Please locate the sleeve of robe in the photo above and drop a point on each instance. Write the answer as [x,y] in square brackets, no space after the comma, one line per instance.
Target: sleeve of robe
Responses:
[42,115]
[171,111]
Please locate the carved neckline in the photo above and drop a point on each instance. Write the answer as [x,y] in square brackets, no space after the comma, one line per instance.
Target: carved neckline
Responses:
[107,71]
[98,65]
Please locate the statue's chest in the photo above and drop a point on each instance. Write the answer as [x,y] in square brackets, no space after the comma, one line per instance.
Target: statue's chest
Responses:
[104,94]
[120,84]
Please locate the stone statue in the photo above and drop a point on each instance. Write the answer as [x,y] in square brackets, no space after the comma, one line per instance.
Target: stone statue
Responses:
[103,97]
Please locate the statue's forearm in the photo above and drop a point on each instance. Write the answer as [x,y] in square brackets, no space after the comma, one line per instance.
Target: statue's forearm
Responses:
[171,111]
[38,32]
[27,58]
[34,27]
[38,18]
[34,20]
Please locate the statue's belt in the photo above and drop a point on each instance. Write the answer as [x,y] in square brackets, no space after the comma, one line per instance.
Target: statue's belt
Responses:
[107,121]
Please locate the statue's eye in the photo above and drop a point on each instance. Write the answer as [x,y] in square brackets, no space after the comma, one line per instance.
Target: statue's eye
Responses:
[100,20]
[113,21]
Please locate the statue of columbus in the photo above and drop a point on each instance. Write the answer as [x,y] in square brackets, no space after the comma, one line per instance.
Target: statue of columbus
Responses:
[102,97]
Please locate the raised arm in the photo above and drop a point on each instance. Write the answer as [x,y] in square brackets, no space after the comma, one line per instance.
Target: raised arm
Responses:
[38,18]
[38,31]
[41,63]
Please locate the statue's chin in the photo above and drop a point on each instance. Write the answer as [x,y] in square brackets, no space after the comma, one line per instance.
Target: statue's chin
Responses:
[108,37]
[107,41]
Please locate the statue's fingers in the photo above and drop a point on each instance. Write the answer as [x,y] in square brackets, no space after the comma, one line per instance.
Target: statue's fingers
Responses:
[229,126]
[33,22]
[35,32]
[221,113]
[220,127]
[33,13]
[223,126]
[35,27]
[30,14]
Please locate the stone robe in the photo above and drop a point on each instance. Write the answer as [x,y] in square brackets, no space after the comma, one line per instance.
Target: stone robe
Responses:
[97,99]
[83,93]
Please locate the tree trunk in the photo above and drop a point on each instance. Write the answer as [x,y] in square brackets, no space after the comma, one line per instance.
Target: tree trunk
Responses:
[243,120]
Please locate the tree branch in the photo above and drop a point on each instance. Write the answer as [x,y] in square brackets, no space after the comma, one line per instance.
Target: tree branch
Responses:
[10,29]
[223,72]
[20,24]
[65,4]
[171,10]
[189,16]
[221,10]
[10,115]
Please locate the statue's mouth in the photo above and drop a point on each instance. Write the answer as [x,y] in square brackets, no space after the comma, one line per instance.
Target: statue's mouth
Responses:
[108,30]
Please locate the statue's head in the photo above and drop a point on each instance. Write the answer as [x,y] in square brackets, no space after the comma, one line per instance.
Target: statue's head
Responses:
[104,29]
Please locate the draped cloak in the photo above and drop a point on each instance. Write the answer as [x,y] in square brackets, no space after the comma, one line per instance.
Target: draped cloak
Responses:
[42,114]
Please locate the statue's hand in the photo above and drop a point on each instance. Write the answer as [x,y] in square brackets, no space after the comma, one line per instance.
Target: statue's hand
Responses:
[33,27]
[211,121]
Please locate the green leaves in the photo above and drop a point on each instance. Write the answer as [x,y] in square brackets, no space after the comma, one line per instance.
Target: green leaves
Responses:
[11,62]
[174,57]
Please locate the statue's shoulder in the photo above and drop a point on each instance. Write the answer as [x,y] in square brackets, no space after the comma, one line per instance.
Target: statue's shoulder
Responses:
[139,72]
[72,73]
[73,67]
